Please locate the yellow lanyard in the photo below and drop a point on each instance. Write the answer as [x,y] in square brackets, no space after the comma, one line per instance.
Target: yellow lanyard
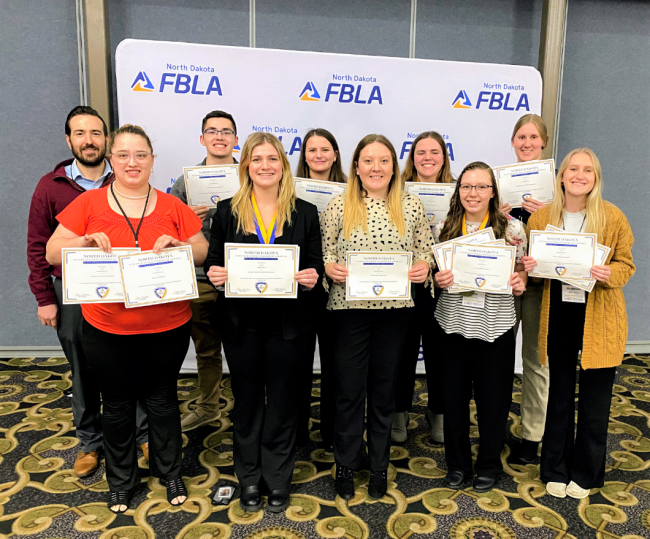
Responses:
[265,234]
[484,223]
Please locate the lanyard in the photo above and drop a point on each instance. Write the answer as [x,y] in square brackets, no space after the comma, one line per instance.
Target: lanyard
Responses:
[128,221]
[483,225]
[265,235]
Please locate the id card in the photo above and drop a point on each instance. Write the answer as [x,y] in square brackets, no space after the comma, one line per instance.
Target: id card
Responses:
[572,294]
[474,299]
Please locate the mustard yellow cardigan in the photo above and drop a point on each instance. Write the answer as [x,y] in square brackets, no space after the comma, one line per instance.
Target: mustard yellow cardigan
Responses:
[605,333]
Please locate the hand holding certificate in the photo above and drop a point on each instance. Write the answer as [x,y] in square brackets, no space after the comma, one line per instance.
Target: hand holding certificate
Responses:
[534,179]
[561,255]
[206,185]
[318,192]
[484,268]
[378,275]
[435,198]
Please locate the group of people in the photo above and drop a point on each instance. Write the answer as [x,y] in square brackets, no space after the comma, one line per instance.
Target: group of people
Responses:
[368,349]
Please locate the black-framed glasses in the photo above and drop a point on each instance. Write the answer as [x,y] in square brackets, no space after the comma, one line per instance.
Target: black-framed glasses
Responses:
[481,188]
[211,132]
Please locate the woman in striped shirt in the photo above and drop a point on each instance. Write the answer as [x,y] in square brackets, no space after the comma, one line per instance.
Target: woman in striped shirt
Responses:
[478,341]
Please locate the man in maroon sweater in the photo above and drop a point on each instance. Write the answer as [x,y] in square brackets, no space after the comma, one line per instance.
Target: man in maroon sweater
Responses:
[87,137]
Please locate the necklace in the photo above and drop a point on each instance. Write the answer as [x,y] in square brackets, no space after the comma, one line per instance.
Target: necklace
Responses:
[131,198]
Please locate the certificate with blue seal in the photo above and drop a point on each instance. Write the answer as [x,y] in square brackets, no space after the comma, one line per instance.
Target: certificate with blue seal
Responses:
[261,271]
[485,268]
[378,275]
[318,192]
[92,276]
[533,179]
[562,255]
[207,185]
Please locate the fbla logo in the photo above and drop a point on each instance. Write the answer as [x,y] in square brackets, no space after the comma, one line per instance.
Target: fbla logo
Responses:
[309,93]
[261,287]
[378,289]
[161,292]
[102,291]
[480,282]
[466,103]
[141,79]
[236,149]
[560,270]
[431,217]
[215,199]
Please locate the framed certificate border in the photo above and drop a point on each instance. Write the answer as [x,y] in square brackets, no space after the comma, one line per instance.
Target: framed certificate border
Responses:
[407,292]
[513,256]
[187,184]
[65,251]
[551,162]
[412,187]
[193,295]
[295,250]
[536,233]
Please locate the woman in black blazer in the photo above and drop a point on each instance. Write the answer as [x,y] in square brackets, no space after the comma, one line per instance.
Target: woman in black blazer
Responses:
[264,338]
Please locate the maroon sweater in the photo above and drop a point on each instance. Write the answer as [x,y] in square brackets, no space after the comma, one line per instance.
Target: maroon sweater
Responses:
[53,193]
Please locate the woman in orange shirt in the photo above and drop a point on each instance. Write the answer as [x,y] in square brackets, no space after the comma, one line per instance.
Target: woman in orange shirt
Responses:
[136,352]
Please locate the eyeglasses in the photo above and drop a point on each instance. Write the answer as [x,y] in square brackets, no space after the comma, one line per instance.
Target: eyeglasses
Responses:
[481,188]
[215,132]
[123,157]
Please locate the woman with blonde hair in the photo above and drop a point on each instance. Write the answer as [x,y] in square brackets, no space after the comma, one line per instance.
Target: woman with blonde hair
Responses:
[264,338]
[573,320]
[427,162]
[374,214]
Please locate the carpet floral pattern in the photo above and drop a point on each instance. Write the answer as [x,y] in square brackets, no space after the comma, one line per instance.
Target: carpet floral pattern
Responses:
[40,497]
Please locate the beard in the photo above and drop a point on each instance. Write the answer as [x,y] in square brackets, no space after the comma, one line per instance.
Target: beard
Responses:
[78,153]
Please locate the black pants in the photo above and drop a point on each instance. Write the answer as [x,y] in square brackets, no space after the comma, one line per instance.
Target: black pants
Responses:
[265,370]
[568,455]
[86,401]
[368,345]
[489,368]
[424,328]
[132,367]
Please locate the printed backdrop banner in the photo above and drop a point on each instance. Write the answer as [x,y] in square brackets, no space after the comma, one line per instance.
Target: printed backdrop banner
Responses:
[167,88]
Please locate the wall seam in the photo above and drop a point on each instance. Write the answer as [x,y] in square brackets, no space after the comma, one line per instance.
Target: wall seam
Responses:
[251,24]
[414,20]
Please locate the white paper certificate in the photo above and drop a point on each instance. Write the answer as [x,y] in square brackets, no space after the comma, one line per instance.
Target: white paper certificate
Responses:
[318,192]
[152,279]
[480,236]
[378,275]
[535,179]
[561,255]
[207,185]
[434,196]
[261,271]
[484,268]
[92,276]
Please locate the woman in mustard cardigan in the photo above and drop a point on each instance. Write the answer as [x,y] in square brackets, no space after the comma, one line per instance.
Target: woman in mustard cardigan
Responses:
[573,320]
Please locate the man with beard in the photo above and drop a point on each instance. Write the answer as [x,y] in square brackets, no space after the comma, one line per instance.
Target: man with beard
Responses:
[87,136]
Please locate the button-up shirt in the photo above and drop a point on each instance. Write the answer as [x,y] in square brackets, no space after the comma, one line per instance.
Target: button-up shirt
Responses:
[73,172]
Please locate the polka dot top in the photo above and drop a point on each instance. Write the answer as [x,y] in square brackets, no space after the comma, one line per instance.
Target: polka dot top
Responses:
[381,236]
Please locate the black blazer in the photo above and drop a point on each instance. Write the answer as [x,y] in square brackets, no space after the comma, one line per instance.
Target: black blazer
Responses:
[303,231]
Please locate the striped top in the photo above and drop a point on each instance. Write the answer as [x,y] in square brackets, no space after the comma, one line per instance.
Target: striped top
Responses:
[498,315]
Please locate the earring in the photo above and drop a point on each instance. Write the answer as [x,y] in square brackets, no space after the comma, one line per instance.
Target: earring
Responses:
[152,170]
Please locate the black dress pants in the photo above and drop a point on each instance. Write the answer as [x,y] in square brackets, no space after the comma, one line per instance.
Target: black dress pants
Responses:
[489,368]
[265,370]
[368,345]
[569,454]
[132,367]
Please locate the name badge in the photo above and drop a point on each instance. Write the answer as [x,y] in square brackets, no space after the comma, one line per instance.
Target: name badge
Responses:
[572,294]
[475,299]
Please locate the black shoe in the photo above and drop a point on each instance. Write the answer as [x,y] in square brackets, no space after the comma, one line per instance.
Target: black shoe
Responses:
[175,489]
[278,500]
[250,499]
[526,452]
[378,484]
[344,483]
[485,484]
[117,498]
[455,479]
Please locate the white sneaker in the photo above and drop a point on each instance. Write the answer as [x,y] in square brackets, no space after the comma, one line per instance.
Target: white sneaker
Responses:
[558,490]
[576,491]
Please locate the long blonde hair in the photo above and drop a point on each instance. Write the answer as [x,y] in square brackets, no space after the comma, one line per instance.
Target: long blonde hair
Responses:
[537,121]
[444,174]
[354,211]
[595,207]
[241,202]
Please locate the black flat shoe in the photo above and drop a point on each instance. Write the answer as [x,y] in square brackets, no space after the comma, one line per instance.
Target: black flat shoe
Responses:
[278,500]
[525,452]
[250,500]
[455,479]
[378,484]
[175,489]
[485,484]
[120,497]
[344,483]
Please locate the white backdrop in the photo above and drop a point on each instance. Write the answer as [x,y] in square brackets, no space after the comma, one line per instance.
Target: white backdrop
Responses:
[167,88]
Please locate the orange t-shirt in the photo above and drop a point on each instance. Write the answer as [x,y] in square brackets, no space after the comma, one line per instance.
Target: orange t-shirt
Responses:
[90,213]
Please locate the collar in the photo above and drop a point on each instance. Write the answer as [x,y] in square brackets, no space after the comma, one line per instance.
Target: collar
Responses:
[75,173]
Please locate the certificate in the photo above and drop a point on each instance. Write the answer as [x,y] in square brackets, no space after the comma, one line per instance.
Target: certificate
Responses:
[446,253]
[480,236]
[562,255]
[318,192]
[208,185]
[261,271]
[434,196]
[534,179]
[92,276]
[484,268]
[376,275]
[153,279]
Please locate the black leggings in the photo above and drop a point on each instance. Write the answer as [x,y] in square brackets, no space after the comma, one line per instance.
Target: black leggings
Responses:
[143,366]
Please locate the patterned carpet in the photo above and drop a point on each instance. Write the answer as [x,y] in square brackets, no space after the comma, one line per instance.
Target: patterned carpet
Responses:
[41,498]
